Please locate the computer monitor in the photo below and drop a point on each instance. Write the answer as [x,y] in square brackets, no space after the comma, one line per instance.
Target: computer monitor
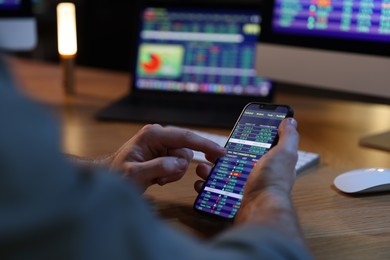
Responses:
[337,45]
[17,25]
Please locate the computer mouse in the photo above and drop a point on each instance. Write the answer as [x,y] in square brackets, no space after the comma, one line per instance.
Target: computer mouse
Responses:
[364,180]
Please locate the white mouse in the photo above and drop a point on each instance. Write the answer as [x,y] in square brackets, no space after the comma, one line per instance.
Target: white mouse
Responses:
[364,180]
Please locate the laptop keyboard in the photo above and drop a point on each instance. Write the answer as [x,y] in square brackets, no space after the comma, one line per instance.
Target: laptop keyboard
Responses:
[305,161]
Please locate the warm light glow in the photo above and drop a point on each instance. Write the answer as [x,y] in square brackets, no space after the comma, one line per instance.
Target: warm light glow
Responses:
[66,29]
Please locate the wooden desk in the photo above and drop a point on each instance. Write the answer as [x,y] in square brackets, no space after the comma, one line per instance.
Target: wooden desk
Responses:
[337,226]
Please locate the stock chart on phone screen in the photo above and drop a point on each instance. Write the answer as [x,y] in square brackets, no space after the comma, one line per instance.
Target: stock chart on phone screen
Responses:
[252,137]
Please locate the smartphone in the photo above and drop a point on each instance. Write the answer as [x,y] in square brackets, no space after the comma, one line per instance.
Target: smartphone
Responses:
[254,133]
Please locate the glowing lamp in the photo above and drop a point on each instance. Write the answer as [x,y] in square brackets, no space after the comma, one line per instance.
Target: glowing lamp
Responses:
[67,42]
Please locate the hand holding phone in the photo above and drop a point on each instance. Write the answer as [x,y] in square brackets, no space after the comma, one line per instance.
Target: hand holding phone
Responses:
[254,133]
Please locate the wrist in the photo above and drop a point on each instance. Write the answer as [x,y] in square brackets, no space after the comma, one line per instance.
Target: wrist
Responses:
[257,207]
[271,208]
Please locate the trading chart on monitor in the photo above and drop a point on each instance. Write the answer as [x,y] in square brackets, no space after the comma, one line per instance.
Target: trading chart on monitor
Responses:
[197,50]
[348,19]
[9,4]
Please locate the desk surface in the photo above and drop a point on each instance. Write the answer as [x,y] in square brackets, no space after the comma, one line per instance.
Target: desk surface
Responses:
[336,226]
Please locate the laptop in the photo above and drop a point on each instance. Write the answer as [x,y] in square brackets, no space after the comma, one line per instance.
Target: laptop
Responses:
[193,64]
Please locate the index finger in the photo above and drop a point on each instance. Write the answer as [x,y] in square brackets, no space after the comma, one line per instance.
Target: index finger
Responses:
[175,137]
[196,142]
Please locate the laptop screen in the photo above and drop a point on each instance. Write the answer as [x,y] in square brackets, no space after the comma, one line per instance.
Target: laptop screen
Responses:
[199,50]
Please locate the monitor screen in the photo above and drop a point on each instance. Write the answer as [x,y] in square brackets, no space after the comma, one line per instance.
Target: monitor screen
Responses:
[349,19]
[9,4]
[199,50]
[332,45]
[17,25]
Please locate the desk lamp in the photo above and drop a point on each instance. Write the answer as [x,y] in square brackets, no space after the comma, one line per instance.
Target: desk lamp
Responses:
[67,42]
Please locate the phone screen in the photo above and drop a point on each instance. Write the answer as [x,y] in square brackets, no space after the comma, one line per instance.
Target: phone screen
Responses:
[253,135]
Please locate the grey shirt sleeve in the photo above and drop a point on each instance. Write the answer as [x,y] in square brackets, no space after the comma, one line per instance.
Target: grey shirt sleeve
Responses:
[50,209]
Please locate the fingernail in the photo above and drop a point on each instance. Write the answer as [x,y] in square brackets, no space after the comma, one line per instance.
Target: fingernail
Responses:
[161,181]
[292,121]
[181,164]
[221,148]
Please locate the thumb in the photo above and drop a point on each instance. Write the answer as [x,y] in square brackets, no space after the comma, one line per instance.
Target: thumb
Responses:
[161,170]
[288,135]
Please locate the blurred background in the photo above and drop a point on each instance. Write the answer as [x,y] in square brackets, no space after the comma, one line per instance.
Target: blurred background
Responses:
[104,30]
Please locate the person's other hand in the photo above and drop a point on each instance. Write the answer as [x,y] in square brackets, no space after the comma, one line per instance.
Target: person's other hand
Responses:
[161,155]
[275,171]
[267,200]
